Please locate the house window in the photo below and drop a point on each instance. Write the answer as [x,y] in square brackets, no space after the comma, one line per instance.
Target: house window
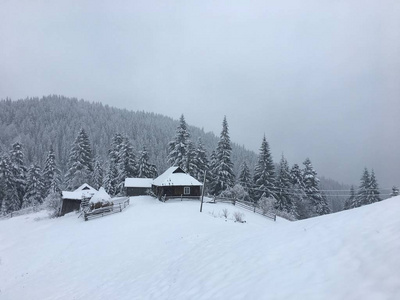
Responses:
[186,190]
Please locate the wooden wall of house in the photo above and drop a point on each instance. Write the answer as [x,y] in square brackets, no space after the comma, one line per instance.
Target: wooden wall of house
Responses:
[69,205]
[136,191]
[176,191]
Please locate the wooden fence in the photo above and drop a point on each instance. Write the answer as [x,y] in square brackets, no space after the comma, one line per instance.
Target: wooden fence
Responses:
[251,206]
[118,206]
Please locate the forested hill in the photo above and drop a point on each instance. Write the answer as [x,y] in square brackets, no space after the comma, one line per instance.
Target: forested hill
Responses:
[56,120]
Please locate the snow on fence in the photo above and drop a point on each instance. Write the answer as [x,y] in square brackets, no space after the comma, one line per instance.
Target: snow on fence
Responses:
[181,197]
[21,212]
[118,206]
[251,206]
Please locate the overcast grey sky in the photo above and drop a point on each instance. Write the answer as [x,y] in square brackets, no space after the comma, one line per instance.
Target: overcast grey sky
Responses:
[320,78]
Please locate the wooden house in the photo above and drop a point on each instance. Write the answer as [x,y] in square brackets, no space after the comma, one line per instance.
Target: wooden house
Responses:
[137,186]
[174,183]
[71,201]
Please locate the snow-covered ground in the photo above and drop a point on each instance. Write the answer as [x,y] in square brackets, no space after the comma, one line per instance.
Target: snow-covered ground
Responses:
[155,250]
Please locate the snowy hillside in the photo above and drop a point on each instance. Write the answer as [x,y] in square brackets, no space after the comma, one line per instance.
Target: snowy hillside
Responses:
[155,250]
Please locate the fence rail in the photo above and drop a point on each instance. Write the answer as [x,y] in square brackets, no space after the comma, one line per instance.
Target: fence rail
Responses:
[118,206]
[248,206]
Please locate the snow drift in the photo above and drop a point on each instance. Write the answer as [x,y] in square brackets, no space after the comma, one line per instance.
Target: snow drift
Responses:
[157,250]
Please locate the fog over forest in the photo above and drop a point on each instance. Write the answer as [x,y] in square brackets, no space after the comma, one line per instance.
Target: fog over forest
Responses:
[318,78]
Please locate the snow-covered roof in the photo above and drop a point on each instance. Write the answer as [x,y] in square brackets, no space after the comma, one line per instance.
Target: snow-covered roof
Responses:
[100,196]
[138,182]
[175,176]
[86,187]
[84,191]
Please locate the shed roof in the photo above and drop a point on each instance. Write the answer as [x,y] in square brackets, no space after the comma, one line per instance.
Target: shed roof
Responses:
[84,191]
[175,176]
[138,182]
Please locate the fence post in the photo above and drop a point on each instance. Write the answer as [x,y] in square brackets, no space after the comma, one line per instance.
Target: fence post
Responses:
[181,197]
[120,209]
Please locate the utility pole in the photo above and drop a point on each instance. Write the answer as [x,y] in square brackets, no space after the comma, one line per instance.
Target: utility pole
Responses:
[202,192]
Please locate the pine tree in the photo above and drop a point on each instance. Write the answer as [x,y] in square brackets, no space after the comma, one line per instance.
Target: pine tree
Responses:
[80,162]
[317,202]
[98,174]
[18,170]
[8,187]
[177,155]
[211,177]
[224,176]
[51,174]
[127,163]
[200,161]
[298,192]
[395,191]
[190,157]
[363,190]
[111,181]
[245,178]
[264,173]
[350,202]
[34,187]
[283,198]
[145,168]
[373,192]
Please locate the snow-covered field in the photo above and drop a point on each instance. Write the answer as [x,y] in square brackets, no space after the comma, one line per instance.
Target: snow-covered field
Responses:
[155,250]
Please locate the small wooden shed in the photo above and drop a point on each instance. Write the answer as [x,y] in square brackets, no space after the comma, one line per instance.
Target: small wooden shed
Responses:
[71,201]
[137,186]
[174,183]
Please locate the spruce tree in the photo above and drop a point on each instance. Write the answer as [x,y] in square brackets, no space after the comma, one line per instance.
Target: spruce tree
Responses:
[34,187]
[8,187]
[317,202]
[177,148]
[51,174]
[373,192]
[144,167]
[363,190]
[395,191]
[18,169]
[298,192]
[283,200]
[245,178]
[80,162]
[200,161]
[127,163]
[111,180]
[350,202]
[98,174]
[224,176]
[264,173]
[190,165]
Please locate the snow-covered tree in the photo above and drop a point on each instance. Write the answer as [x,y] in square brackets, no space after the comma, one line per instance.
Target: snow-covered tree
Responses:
[80,162]
[52,203]
[178,147]
[8,187]
[318,203]
[298,194]
[245,179]
[200,161]
[395,191]
[350,202]
[18,169]
[98,174]
[363,190]
[264,173]
[373,192]
[223,172]
[146,170]
[236,192]
[283,200]
[190,165]
[127,163]
[111,180]
[34,187]
[51,174]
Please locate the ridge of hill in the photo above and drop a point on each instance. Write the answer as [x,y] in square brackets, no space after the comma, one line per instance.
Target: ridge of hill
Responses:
[56,120]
